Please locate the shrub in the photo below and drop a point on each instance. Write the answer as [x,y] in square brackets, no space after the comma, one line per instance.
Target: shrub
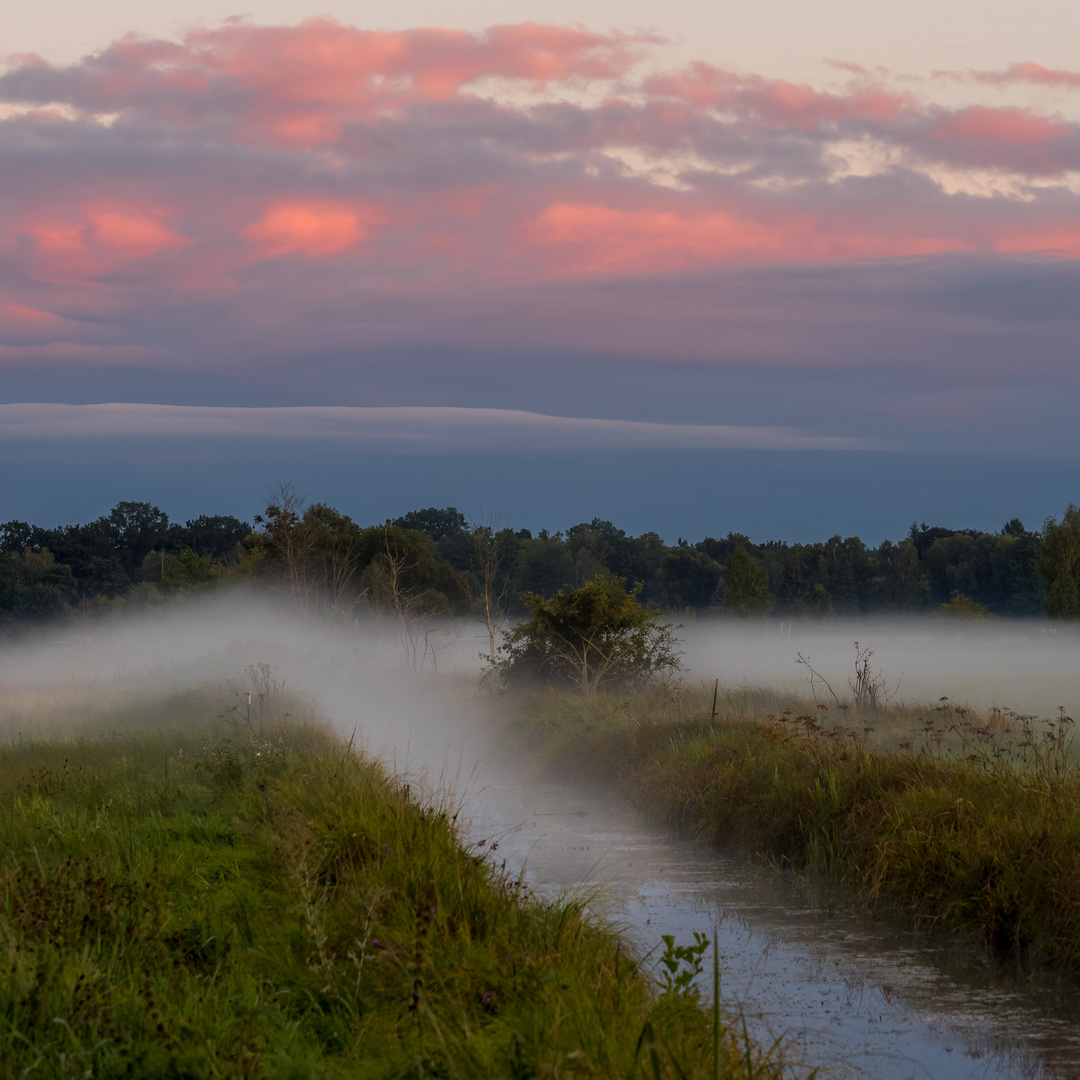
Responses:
[594,637]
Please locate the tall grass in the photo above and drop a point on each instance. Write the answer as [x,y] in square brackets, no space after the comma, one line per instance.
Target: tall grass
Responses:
[214,899]
[959,820]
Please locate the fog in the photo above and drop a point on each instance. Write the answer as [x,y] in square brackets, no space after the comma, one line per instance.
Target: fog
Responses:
[353,675]
[1027,666]
[785,960]
[423,716]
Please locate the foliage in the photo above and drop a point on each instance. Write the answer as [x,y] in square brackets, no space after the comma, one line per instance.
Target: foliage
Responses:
[34,586]
[963,607]
[746,586]
[595,637]
[327,562]
[1059,565]
[681,965]
[815,603]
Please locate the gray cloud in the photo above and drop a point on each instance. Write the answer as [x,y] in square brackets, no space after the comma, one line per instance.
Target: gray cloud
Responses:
[405,428]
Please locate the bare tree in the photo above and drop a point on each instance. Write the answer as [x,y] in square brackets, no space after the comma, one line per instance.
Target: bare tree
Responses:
[413,609]
[288,538]
[489,539]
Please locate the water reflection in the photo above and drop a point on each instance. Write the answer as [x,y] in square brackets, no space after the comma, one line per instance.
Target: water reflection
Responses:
[848,993]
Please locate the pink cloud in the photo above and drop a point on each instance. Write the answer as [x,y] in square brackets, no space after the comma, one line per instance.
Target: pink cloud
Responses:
[237,166]
[92,239]
[1011,127]
[301,85]
[311,228]
[776,101]
[1062,240]
[602,239]
[1023,72]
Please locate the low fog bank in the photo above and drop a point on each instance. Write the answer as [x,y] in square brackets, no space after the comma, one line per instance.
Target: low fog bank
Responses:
[412,703]
[407,706]
[1030,667]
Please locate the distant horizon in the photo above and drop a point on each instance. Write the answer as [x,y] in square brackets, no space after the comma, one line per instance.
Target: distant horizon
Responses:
[384,492]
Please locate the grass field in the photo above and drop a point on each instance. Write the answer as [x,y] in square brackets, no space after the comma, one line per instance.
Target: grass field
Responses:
[188,892]
[960,820]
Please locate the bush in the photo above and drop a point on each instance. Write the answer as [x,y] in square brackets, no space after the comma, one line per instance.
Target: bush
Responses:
[596,637]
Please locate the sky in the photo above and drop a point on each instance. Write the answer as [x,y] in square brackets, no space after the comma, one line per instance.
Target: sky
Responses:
[782,269]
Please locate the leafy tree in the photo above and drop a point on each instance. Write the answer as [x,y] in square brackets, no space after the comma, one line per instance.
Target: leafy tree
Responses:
[815,603]
[960,606]
[433,523]
[745,586]
[34,587]
[596,637]
[687,579]
[217,536]
[16,536]
[191,570]
[136,528]
[722,550]
[899,582]
[844,568]
[1017,589]
[924,537]
[1059,565]
[544,565]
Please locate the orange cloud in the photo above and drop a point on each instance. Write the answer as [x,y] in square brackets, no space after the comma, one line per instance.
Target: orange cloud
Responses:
[314,229]
[136,234]
[115,232]
[52,238]
[1013,127]
[591,238]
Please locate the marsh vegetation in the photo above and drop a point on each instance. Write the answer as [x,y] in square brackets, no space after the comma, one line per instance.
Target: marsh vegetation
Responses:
[194,887]
[958,819]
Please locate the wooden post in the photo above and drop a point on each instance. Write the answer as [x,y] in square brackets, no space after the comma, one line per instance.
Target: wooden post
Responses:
[715,690]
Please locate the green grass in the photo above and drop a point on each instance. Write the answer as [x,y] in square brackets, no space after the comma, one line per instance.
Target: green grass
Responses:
[205,899]
[960,821]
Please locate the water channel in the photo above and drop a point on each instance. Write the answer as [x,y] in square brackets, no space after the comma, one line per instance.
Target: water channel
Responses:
[854,995]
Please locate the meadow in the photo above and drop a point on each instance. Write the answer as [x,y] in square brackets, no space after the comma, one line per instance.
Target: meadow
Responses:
[958,819]
[196,888]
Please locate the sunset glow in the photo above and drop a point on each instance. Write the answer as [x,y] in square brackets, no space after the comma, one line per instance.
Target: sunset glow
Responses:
[282,197]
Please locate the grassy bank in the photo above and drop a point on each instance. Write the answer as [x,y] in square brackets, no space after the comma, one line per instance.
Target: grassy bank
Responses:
[206,897]
[960,820]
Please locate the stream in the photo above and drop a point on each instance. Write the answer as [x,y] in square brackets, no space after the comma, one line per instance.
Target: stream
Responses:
[847,993]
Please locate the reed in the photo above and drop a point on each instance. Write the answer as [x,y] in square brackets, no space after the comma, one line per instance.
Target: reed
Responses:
[958,819]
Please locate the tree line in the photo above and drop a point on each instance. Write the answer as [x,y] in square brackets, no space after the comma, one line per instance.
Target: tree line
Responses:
[433,562]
